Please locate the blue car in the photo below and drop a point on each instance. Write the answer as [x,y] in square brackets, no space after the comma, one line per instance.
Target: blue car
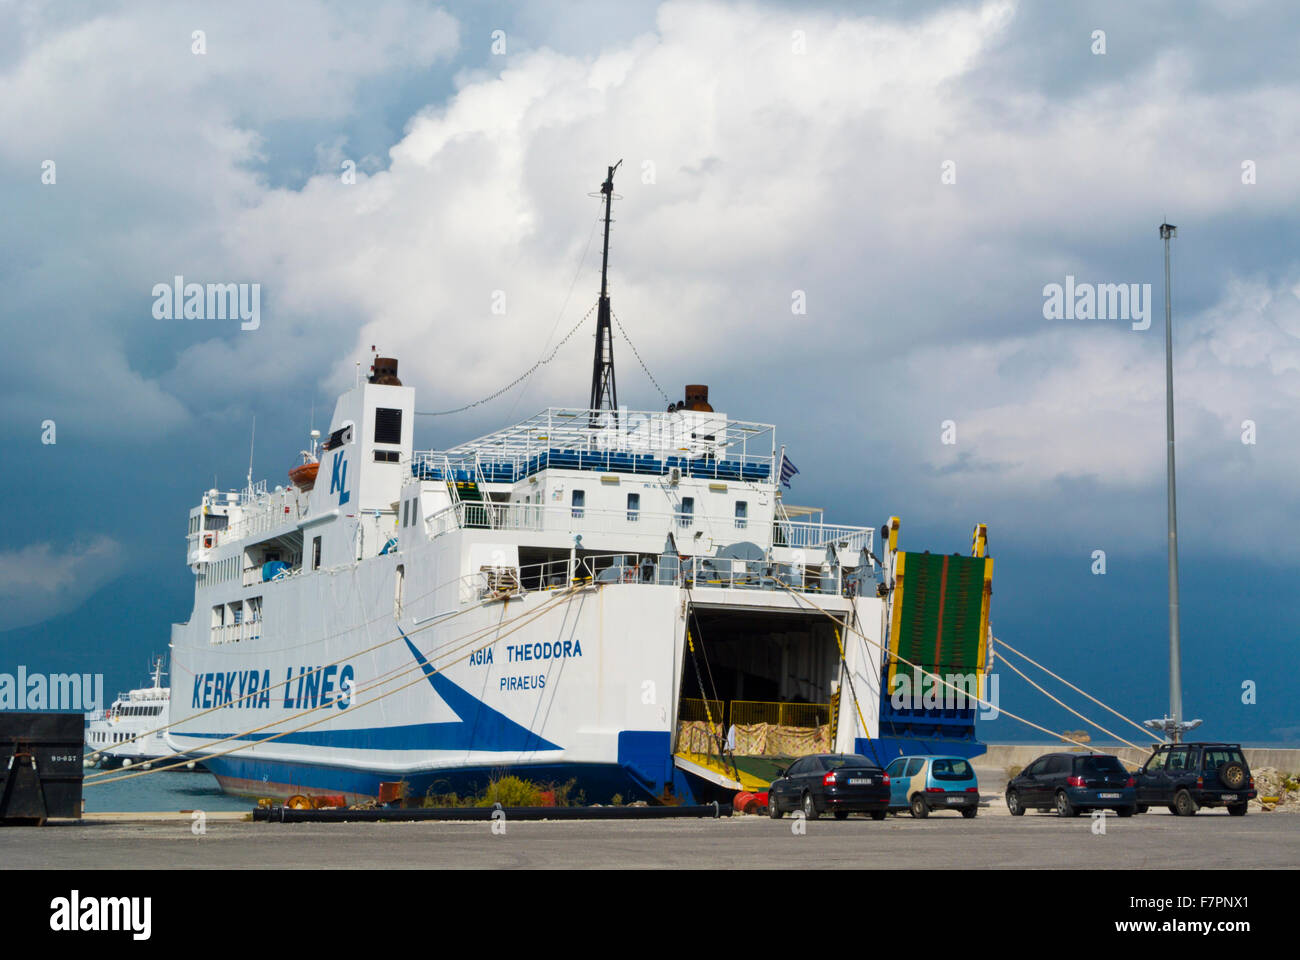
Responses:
[1072,782]
[922,784]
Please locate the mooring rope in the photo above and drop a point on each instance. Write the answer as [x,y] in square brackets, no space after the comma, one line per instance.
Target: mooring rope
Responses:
[436,621]
[1003,643]
[901,659]
[521,622]
[1070,708]
[439,651]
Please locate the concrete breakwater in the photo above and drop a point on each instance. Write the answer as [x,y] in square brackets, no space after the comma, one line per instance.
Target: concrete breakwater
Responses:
[1003,755]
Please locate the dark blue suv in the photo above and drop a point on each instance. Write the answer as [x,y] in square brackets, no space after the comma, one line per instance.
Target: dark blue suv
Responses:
[1070,782]
[1187,776]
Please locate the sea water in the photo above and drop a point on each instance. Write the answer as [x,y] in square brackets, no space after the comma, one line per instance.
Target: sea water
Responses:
[164,791]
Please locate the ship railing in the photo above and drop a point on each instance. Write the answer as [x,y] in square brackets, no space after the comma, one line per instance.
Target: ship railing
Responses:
[628,441]
[273,510]
[502,467]
[803,534]
[732,574]
[848,541]
[497,580]
[252,493]
[640,431]
[236,632]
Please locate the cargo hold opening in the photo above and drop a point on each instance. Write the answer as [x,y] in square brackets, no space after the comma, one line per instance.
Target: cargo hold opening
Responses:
[773,693]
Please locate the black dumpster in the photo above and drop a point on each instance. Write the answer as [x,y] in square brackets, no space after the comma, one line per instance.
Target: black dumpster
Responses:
[40,766]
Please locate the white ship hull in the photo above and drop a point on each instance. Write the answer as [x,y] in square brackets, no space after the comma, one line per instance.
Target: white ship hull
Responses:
[551,685]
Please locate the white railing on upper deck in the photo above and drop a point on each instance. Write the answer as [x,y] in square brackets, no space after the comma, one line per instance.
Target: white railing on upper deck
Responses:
[567,519]
[270,511]
[659,434]
[252,493]
[802,534]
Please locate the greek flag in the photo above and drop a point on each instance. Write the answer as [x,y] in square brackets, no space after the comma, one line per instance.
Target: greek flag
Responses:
[788,469]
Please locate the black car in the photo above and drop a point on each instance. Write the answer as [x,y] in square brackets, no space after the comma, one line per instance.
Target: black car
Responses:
[843,782]
[1070,782]
[1187,776]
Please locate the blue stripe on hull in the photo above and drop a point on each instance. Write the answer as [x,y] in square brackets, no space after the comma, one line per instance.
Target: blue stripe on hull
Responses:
[599,782]
[643,770]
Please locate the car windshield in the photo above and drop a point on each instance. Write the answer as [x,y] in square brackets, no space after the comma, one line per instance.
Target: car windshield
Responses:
[847,760]
[1217,758]
[1101,765]
[952,770]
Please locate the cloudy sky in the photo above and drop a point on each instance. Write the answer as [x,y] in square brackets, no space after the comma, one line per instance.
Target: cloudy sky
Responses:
[914,173]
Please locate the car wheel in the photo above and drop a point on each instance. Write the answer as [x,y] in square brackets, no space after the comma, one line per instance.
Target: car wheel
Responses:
[1013,804]
[1184,805]
[878,814]
[841,814]
[919,810]
[1238,809]
[810,807]
[1126,811]
[773,807]
[1233,776]
[1064,808]
[1173,809]
[1141,808]
[970,812]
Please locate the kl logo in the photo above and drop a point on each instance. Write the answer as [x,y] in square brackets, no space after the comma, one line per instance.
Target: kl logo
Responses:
[339,478]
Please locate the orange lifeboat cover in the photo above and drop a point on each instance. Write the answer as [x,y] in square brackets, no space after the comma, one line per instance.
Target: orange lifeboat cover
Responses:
[304,475]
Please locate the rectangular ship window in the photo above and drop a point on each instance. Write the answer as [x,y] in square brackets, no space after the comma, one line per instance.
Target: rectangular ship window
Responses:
[742,514]
[315,553]
[686,516]
[388,425]
[579,501]
[633,507]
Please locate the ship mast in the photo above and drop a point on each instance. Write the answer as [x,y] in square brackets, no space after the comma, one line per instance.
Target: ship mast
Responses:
[604,394]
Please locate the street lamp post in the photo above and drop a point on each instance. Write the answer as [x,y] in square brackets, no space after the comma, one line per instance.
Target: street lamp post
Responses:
[1172,725]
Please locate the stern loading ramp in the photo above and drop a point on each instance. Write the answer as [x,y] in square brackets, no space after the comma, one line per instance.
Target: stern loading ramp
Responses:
[769,680]
[773,679]
[940,623]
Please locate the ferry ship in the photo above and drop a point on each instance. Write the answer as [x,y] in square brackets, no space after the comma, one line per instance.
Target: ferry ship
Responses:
[132,730]
[613,599]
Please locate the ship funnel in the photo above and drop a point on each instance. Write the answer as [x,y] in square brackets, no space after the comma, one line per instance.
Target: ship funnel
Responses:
[697,397]
[384,372]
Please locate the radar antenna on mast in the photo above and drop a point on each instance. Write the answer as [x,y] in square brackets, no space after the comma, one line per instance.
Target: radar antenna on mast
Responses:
[604,394]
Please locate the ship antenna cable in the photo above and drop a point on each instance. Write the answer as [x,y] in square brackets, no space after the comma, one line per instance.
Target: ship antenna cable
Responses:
[637,353]
[541,360]
[513,383]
